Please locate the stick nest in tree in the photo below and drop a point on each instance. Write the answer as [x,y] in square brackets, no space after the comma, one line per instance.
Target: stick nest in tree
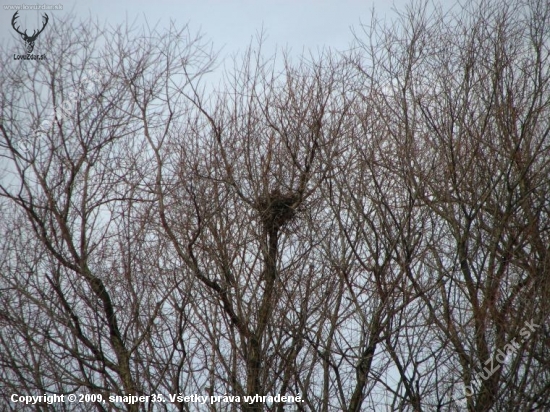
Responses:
[277,209]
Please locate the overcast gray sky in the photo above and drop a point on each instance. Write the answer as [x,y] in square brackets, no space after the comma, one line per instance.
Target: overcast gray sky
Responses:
[230,24]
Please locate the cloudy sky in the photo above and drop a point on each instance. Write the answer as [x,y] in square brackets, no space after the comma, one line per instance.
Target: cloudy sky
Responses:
[230,24]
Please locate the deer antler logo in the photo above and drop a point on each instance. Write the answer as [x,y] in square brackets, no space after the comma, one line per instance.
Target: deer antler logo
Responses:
[29,40]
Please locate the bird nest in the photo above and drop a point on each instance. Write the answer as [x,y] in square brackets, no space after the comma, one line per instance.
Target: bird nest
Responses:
[277,209]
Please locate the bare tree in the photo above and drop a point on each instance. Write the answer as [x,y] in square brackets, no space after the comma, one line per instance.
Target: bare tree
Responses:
[463,102]
[249,186]
[88,303]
